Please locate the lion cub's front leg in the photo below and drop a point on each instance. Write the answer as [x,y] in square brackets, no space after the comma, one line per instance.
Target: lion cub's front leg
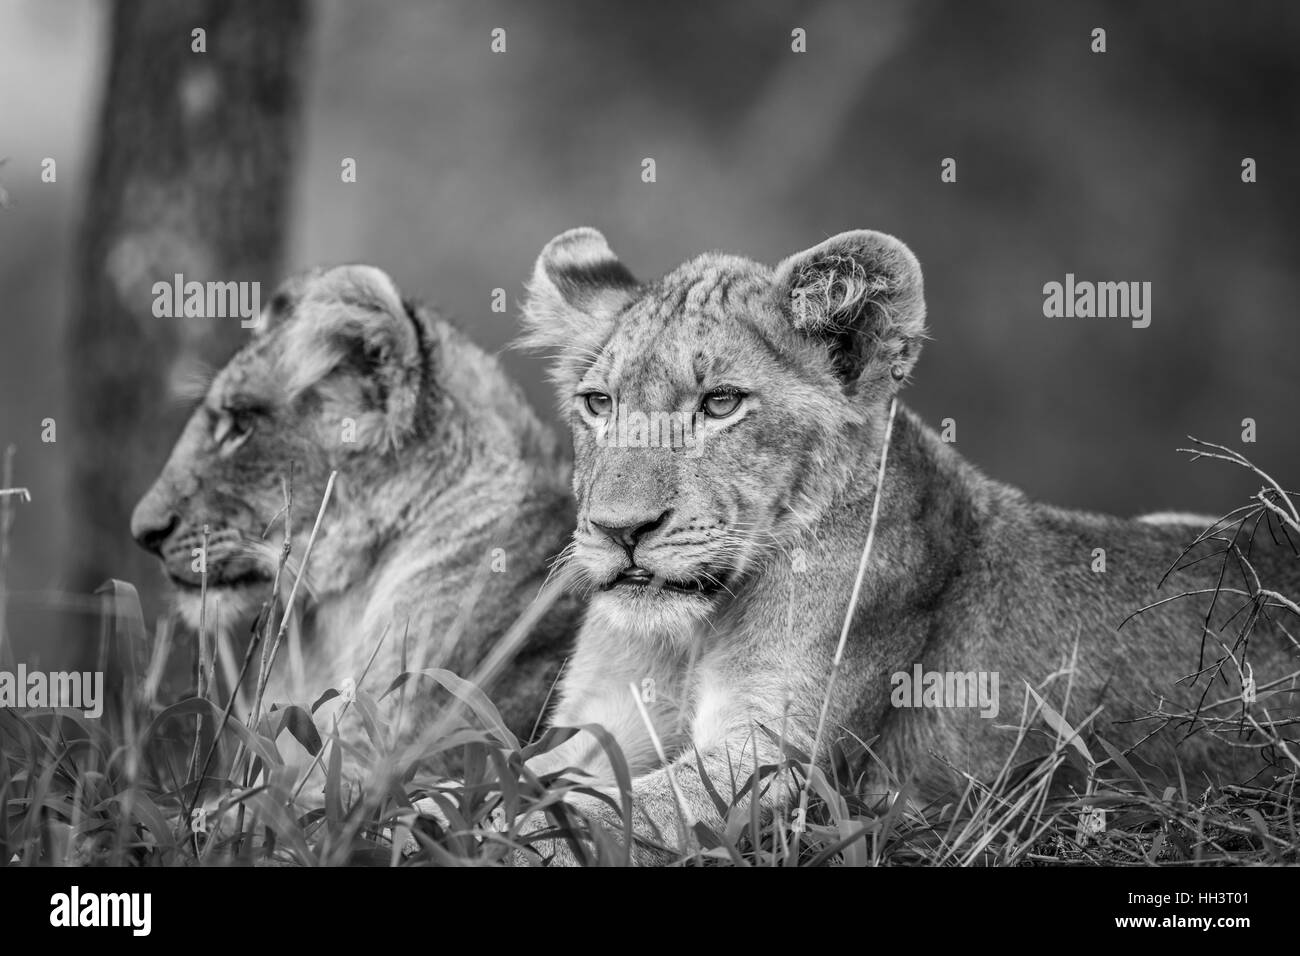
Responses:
[667,802]
[718,740]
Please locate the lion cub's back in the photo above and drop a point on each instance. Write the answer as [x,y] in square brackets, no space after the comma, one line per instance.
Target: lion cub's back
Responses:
[1087,578]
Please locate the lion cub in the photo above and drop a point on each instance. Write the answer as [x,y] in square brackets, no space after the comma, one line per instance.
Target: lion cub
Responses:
[450,503]
[728,425]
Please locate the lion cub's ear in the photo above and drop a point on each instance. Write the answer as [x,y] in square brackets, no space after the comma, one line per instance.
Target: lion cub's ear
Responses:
[352,319]
[860,293]
[577,287]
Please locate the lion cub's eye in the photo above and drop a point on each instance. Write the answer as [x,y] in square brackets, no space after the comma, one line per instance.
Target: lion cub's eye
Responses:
[598,403]
[721,403]
[231,431]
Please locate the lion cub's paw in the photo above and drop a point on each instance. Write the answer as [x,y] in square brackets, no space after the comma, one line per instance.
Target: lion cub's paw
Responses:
[430,809]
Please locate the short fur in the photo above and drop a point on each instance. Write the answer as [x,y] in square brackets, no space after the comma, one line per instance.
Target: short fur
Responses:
[441,462]
[966,574]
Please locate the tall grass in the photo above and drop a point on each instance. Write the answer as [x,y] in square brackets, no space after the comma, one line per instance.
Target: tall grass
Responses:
[189,783]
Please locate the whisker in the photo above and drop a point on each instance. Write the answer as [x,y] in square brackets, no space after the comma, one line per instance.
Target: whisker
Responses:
[189,380]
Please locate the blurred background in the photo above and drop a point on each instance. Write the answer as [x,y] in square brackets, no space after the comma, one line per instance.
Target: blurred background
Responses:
[1121,166]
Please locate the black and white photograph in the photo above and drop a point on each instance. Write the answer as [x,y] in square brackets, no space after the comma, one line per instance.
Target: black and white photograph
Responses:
[565,434]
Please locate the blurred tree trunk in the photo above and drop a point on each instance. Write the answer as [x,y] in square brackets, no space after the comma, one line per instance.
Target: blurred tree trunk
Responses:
[190,176]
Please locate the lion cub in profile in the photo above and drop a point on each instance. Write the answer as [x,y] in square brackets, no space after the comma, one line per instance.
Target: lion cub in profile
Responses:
[728,422]
[450,503]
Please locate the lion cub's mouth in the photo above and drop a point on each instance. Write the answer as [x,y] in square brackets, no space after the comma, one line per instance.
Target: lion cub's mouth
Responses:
[194,582]
[635,577]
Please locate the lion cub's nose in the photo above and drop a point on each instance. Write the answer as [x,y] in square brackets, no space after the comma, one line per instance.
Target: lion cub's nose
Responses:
[151,525]
[627,530]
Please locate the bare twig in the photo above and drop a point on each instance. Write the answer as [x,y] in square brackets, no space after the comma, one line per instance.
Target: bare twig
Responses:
[297,580]
[1270,504]
[286,549]
[7,493]
[848,614]
[201,677]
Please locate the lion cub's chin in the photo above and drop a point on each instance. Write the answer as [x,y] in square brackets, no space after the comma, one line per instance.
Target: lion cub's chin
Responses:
[643,614]
[227,607]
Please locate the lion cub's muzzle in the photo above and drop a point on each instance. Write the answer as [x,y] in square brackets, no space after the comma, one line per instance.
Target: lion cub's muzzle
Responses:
[650,555]
[227,561]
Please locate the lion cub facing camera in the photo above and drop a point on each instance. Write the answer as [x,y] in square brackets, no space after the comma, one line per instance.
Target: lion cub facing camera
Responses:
[719,579]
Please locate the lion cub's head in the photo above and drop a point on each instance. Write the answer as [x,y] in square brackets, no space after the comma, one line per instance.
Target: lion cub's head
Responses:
[333,378]
[717,411]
